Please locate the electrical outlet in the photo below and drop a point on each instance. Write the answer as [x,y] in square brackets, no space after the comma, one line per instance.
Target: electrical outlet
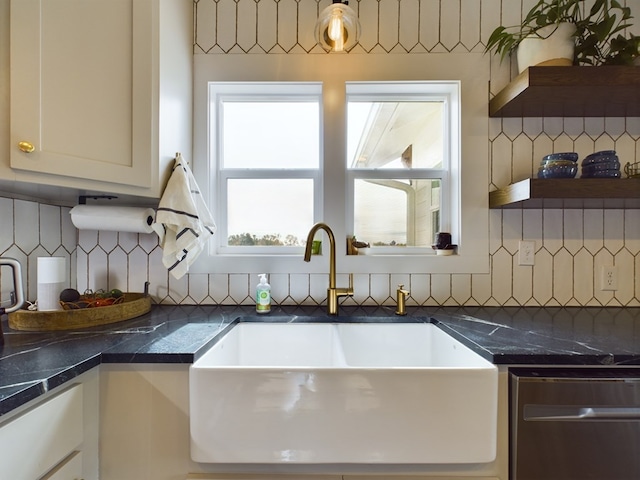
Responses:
[526,252]
[609,278]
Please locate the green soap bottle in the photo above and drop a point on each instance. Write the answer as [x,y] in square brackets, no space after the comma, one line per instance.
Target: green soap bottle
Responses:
[263,295]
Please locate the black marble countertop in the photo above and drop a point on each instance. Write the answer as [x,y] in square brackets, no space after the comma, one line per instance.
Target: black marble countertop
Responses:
[34,363]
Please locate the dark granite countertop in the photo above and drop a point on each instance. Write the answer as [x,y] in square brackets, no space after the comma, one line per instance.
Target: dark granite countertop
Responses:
[34,363]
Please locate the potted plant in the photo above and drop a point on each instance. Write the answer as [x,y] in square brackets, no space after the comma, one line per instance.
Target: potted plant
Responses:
[597,33]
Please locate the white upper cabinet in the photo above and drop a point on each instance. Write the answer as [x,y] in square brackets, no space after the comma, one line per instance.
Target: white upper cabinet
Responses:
[101,90]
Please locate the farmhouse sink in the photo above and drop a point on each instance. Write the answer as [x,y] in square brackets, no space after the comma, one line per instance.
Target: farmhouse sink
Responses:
[342,393]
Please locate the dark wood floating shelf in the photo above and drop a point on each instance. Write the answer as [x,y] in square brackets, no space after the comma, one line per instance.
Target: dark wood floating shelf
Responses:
[568,193]
[609,91]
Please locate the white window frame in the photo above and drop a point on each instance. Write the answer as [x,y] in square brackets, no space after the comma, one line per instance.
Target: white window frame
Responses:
[447,92]
[334,71]
[220,92]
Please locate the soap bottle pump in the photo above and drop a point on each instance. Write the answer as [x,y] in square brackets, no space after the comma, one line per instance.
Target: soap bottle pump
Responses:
[263,295]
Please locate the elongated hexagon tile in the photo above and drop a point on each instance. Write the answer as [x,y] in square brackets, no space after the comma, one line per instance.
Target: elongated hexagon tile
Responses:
[388,30]
[552,229]
[420,287]
[87,240]
[593,233]
[441,287]
[522,282]
[470,26]
[512,230]
[50,227]
[583,278]
[98,272]
[280,284]
[239,289]
[460,288]
[29,282]
[562,276]
[573,230]
[118,269]
[108,240]
[178,290]
[480,288]
[495,230]
[27,234]
[409,24]
[380,287]
[543,277]
[247,14]
[6,215]
[138,271]
[198,287]
[287,24]
[523,165]
[614,230]
[501,276]
[267,25]
[69,234]
[219,288]
[429,24]
[501,161]
[624,263]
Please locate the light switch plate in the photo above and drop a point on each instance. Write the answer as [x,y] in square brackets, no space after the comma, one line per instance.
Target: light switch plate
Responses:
[526,252]
[609,278]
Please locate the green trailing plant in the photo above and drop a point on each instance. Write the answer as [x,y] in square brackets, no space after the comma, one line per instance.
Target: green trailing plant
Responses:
[600,37]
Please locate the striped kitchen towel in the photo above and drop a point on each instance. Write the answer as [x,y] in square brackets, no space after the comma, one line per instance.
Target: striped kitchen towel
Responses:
[183,221]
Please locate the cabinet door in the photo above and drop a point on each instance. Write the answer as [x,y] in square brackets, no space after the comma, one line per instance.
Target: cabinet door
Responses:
[39,439]
[81,89]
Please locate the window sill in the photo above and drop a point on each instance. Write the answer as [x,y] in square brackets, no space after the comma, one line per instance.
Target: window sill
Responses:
[295,264]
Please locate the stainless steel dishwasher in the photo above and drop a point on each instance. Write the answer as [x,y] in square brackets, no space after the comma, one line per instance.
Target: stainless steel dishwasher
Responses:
[575,424]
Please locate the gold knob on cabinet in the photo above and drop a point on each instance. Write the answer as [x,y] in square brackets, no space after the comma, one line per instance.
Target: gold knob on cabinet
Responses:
[26,147]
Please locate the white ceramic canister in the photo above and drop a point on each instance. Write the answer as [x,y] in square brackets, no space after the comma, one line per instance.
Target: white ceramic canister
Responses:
[554,44]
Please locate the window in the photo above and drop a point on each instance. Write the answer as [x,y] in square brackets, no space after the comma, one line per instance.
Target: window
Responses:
[266,152]
[392,149]
[402,139]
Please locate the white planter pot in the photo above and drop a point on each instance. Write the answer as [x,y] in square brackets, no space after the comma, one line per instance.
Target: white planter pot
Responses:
[553,45]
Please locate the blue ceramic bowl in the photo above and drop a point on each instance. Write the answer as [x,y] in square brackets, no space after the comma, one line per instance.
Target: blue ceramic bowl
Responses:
[572,156]
[558,171]
[599,157]
[602,174]
[601,166]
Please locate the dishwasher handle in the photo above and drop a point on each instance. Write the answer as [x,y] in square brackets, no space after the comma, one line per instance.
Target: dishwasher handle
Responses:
[550,413]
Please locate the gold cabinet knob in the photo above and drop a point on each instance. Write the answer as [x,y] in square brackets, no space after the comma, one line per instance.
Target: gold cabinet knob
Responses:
[26,147]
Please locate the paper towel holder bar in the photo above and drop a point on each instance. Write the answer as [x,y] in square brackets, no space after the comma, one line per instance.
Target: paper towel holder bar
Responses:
[82,199]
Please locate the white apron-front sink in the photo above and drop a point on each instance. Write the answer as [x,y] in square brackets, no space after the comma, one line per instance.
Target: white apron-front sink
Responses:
[342,393]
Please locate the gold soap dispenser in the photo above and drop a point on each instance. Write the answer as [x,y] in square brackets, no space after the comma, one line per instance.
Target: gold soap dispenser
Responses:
[401,297]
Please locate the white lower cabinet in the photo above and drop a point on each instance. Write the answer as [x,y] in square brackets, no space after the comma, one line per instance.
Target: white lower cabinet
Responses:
[54,437]
[34,443]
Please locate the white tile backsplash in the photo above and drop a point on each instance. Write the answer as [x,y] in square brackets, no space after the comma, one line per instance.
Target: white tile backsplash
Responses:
[571,245]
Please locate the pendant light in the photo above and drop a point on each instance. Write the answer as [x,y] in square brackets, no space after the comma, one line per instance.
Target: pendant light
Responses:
[338,27]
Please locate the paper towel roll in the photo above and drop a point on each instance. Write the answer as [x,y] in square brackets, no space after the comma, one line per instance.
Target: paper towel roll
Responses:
[118,219]
[52,275]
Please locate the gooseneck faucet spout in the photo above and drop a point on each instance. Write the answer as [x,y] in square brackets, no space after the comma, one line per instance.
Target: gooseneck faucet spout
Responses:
[333,293]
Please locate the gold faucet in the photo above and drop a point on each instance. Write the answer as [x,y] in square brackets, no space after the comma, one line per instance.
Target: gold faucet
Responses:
[333,293]
[401,296]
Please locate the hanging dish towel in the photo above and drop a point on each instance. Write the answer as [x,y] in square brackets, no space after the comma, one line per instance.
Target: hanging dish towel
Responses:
[183,221]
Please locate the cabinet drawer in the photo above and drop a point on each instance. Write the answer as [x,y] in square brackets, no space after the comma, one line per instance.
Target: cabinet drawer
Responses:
[69,469]
[40,438]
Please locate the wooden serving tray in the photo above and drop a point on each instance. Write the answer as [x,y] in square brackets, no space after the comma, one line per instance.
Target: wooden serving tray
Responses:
[134,305]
